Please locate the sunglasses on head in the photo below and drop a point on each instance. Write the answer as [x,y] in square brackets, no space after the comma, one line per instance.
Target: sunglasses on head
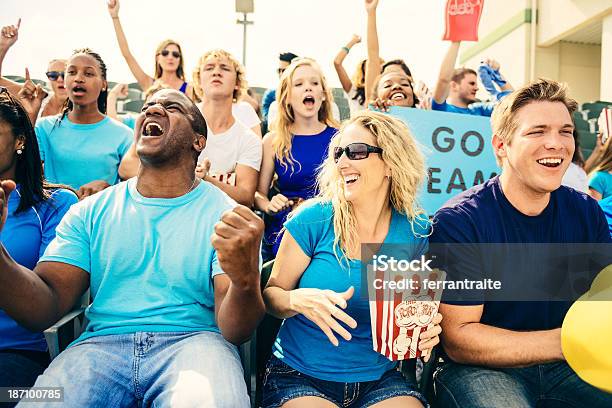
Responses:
[175,54]
[355,151]
[54,75]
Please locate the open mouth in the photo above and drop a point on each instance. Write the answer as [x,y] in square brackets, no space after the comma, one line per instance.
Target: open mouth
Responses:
[397,96]
[309,101]
[550,161]
[78,91]
[152,129]
[350,179]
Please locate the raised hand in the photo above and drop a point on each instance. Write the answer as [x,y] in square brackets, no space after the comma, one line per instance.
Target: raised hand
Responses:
[6,187]
[202,168]
[91,188]
[324,308]
[31,96]
[237,239]
[423,93]
[381,104]
[113,8]
[492,63]
[355,40]
[9,35]
[371,5]
[277,204]
[119,91]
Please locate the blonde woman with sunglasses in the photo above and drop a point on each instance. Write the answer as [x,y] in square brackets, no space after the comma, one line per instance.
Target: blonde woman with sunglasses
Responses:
[169,69]
[323,355]
[53,103]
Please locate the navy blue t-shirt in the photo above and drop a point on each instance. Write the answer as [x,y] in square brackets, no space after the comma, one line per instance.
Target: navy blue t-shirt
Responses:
[483,214]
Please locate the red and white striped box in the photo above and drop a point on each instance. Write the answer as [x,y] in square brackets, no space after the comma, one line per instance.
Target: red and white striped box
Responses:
[399,316]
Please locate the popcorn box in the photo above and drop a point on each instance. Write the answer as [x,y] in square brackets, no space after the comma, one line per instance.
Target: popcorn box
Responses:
[399,315]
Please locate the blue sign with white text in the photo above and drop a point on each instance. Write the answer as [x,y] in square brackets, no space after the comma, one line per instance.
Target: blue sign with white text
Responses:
[457,149]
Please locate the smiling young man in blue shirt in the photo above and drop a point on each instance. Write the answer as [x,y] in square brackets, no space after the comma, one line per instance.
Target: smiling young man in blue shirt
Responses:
[509,353]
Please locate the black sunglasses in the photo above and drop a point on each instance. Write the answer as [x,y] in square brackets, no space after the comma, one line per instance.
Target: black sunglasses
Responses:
[356,151]
[54,75]
[175,54]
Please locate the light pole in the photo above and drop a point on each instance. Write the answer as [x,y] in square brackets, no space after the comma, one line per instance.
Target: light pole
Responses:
[245,7]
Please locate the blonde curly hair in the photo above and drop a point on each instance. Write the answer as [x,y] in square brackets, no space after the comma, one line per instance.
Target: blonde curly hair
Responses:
[241,81]
[401,154]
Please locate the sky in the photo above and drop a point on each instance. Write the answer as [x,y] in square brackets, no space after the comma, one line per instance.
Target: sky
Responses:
[408,29]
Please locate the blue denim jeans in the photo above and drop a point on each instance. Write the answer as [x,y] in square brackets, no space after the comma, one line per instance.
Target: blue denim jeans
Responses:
[199,369]
[283,383]
[543,385]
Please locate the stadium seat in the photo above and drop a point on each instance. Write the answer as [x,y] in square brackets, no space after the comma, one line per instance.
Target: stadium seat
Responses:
[134,94]
[15,78]
[594,108]
[580,123]
[135,85]
[67,329]
[111,84]
[345,112]
[587,140]
[133,106]
[337,92]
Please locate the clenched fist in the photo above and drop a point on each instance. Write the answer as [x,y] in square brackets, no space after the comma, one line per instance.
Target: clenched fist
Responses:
[237,240]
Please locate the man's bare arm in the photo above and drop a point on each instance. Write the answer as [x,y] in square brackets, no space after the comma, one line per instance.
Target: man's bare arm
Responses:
[468,341]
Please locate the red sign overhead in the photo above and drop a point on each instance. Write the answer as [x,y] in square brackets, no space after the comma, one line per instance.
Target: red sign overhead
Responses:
[462,18]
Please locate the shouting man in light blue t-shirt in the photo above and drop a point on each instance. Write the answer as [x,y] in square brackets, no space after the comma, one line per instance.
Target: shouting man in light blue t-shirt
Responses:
[172,263]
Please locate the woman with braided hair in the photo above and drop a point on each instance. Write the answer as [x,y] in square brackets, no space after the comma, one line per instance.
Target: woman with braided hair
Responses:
[82,147]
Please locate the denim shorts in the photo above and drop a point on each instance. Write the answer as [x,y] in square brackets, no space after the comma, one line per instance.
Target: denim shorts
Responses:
[282,383]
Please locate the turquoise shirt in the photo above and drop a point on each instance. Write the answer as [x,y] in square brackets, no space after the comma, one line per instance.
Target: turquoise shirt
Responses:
[602,183]
[76,154]
[150,260]
[300,343]
[477,109]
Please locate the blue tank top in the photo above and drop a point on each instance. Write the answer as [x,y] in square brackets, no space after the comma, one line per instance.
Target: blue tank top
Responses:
[308,152]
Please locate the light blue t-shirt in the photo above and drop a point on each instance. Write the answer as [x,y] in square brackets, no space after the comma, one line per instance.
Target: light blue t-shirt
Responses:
[76,154]
[300,343]
[25,237]
[129,120]
[602,183]
[606,206]
[150,260]
[477,109]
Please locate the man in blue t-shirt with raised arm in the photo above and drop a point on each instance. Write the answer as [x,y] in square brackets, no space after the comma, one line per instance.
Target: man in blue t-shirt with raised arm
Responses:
[456,89]
[173,267]
[508,353]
